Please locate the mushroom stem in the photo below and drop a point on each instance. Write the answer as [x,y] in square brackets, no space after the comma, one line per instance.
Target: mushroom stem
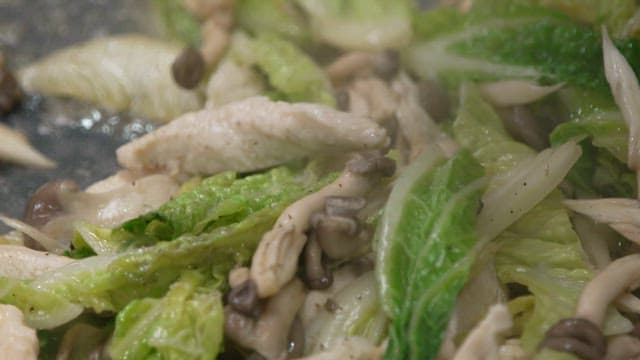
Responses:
[606,286]
[485,339]
[275,261]
[317,275]
[268,335]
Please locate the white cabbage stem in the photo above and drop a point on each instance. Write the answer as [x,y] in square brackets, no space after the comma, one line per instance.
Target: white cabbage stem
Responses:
[618,277]
[626,93]
[49,243]
[515,92]
[523,187]
[623,215]
[485,339]
[15,148]
[19,262]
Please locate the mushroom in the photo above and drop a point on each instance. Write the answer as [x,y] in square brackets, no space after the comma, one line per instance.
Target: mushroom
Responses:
[45,204]
[512,350]
[579,336]
[275,261]
[485,339]
[316,300]
[620,276]
[337,230]
[623,215]
[372,97]
[353,348]
[348,65]
[244,297]
[384,65]
[10,92]
[190,66]
[295,342]
[268,335]
[582,335]
[317,276]
[623,347]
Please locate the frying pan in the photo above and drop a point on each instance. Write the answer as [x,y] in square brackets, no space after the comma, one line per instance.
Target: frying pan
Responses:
[81,139]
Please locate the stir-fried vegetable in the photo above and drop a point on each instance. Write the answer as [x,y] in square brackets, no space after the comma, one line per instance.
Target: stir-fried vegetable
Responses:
[426,239]
[360,24]
[540,250]
[127,72]
[293,75]
[510,42]
[184,324]
[466,246]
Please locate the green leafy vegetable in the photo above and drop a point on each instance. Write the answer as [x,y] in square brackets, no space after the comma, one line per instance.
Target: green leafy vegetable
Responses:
[110,282]
[41,309]
[119,73]
[602,170]
[179,23]
[540,251]
[184,324]
[293,74]
[217,201]
[280,17]
[360,24]
[511,42]
[425,241]
[615,13]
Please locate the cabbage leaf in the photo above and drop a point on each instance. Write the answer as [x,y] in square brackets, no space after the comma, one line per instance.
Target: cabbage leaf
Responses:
[217,201]
[615,14]
[491,43]
[280,17]
[110,282]
[178,22]
[119,73]
[540,250]
[425,240]
[187,323]
[602,170]
[294,75]
[360,24]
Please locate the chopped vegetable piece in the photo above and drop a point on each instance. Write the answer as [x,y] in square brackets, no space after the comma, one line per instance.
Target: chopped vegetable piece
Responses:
[184,324]
[292,73]
[540,250]
[360,24]
[125,72]
[280,17]
[179,23]
[425,249]
[511,42]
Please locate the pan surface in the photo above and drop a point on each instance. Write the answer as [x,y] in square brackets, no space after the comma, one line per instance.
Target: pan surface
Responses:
[80,138]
